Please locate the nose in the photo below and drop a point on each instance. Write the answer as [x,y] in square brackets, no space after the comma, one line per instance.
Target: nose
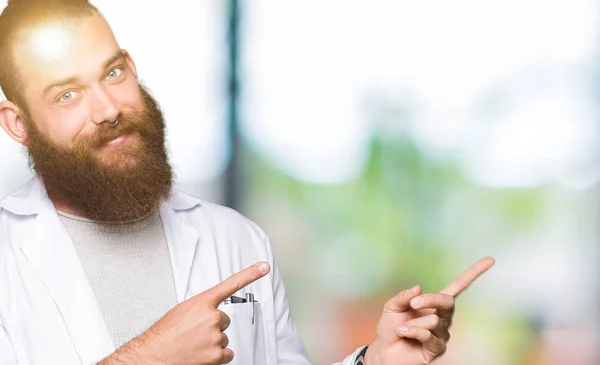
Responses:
[103,106]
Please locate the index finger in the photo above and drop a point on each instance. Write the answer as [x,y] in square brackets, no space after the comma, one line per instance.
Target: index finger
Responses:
[218,293]
[466,278]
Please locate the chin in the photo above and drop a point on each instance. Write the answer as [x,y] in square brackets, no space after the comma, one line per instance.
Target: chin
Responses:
[119,160]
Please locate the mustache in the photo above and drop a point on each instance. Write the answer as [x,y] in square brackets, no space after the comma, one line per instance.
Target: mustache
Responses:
[130,123]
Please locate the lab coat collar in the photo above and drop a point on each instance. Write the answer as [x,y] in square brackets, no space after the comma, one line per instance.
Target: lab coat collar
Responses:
[27,199]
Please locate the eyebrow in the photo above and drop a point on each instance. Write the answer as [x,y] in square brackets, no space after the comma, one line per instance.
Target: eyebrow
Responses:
[115,57]
[69,80]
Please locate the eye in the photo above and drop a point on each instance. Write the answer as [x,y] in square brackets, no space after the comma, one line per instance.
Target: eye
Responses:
[68,96]
[115,72]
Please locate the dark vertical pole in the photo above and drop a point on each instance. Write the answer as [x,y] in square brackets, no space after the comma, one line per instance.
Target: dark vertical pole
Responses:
[233,173]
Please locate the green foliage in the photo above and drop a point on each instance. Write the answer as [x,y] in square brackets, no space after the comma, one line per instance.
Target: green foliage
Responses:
[403,217]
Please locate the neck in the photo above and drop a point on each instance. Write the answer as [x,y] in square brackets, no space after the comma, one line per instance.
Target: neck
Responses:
[67,209]
[64,208]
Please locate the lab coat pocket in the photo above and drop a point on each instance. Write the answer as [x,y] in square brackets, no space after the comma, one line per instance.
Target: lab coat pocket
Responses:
[246,339]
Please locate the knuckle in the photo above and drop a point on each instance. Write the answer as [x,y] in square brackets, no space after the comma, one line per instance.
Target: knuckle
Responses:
[427,336]
[463,282]
[435,320]
[237,283]
[216,338]
[216,354]
[216,317]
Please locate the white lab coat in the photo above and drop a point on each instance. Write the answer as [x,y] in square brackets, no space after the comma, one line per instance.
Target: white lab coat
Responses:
[48,311]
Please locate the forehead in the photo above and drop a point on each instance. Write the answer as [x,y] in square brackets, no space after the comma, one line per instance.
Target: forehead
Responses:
[60,49]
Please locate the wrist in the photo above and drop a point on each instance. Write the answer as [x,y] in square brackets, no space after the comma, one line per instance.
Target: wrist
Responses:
[135,352]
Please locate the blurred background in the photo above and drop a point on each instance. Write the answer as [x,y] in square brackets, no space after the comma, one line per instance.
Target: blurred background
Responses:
[383,144]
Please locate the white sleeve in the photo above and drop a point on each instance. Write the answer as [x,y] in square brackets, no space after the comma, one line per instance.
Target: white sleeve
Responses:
[290,349]
[7,356]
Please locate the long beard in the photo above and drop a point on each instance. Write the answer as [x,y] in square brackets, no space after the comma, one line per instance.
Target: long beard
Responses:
[128,186]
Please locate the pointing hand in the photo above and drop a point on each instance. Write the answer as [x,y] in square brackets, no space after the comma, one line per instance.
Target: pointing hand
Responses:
[414,328]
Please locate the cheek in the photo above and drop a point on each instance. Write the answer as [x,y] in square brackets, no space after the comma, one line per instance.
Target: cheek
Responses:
[63,127]
[129,96]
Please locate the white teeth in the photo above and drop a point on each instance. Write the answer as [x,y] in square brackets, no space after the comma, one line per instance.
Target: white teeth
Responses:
[116,140]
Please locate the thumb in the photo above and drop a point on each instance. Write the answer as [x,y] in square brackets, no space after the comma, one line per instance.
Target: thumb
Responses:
[401,301]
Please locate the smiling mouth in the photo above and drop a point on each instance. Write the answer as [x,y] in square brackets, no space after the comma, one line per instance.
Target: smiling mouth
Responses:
[117,141]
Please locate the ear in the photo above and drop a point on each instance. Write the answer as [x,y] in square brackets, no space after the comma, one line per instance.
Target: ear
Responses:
[130,62]
[12,122]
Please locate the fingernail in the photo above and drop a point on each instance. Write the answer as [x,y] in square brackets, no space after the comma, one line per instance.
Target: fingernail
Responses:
[264,268]
[416,302]
[403,329]
[413,288]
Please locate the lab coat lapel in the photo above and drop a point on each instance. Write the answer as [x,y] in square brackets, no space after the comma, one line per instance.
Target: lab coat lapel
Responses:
[52,255]
[192,253]
[182,240]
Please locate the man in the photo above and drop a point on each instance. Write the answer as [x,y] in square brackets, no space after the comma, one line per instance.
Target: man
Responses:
[102,261]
